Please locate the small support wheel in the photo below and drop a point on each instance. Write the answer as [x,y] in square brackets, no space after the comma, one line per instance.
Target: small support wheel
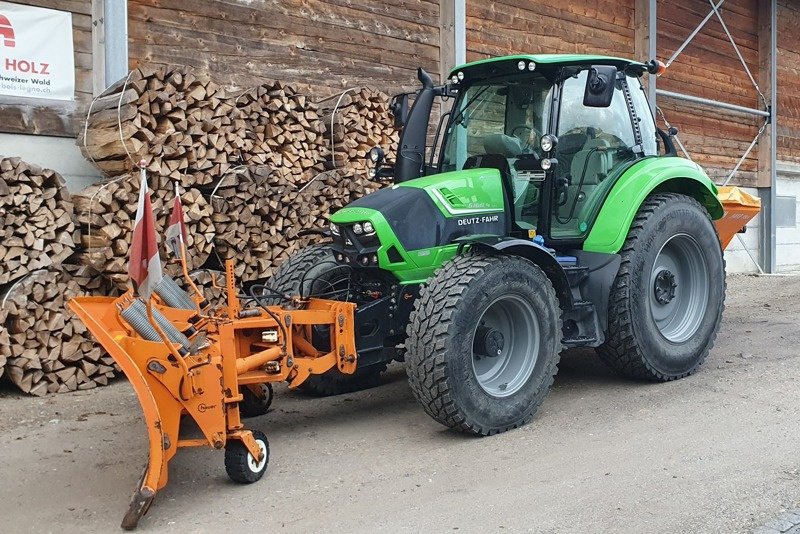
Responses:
[240,464]
[256,403]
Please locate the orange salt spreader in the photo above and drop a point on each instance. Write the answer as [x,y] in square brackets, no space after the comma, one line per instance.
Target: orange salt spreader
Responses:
[740,207]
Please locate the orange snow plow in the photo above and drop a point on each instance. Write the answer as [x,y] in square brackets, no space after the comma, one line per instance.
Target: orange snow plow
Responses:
[204,364]
[740,208]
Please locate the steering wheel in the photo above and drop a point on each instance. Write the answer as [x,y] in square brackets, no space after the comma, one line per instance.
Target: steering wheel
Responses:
[527,138]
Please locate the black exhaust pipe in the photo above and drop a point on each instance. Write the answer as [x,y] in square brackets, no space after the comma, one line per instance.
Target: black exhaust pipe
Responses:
[411,156]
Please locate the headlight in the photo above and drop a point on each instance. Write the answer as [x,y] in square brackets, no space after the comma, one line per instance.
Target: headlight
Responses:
[531,66]
[358,229]
[521,65]
[368,228]
[549,163]
[334,229]
[454,79]
[460,75]
[376,154]
[548,142]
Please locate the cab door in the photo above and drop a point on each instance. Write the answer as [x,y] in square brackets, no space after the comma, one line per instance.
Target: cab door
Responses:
[595,145]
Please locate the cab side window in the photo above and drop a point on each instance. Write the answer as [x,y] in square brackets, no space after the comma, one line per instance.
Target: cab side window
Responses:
[594,145]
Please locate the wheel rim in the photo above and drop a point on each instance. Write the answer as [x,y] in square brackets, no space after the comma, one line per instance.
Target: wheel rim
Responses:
[265,399]
[255,466]
[679,288]
[505,346]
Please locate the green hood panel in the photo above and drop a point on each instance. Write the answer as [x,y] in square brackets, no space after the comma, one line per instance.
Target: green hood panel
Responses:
[462,201]
[664,174]
[467,192]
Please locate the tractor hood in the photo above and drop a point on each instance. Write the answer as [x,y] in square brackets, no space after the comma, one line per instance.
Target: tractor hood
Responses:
[410,224]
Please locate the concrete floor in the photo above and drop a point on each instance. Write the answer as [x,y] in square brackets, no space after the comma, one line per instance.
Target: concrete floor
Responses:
[716,452]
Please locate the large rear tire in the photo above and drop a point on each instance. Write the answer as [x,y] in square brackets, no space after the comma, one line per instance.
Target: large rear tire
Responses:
[666,303]
[483,343]
[299,275]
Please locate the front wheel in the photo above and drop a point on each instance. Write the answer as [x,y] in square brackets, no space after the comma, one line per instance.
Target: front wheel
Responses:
[483,343]
[666,303]
[313,271]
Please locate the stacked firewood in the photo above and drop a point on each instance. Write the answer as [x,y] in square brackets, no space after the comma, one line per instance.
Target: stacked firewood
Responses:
[283,130]
[49,350]
[181,123]
[251,208]
[355,122]
[5,339]
[329,192]
[212,284]
[105,212]
[253,173]
[36,228]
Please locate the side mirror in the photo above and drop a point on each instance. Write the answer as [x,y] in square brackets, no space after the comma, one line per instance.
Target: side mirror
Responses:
[399,109]
[378,170]
[600,86]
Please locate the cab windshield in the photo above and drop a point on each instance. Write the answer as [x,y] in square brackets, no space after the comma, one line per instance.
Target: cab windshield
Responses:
[506,117]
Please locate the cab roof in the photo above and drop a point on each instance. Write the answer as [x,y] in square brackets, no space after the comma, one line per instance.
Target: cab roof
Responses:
[553,59]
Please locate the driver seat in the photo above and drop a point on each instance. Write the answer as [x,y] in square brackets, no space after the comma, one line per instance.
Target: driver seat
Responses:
[505,145]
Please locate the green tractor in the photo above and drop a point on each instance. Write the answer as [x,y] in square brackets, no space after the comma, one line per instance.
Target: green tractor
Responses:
[547,212]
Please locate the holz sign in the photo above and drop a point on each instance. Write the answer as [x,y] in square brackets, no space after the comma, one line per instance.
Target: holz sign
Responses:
[36,57]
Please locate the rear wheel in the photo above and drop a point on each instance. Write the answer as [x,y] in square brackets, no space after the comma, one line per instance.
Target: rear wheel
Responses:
[666,303]
[313,271]
[483,343]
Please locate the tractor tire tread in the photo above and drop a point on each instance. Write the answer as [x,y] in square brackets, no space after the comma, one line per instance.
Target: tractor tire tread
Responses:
[431,320]
[336,383]
[620,351]
[290,272]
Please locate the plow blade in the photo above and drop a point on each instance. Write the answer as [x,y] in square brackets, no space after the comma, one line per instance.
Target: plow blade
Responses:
[740,208]
[195,365]
[160,410]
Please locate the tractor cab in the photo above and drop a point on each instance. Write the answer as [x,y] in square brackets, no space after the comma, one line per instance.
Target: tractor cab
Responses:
[559,129]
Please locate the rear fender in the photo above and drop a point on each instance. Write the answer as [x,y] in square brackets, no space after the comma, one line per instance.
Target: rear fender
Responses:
[652,175]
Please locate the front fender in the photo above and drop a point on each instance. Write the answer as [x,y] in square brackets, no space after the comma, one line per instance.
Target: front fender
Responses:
[663,174]
[529,250]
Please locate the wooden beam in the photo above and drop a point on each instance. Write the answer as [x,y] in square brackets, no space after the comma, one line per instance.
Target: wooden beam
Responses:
[764,174]
[644,23]
[98,47]
[447,37]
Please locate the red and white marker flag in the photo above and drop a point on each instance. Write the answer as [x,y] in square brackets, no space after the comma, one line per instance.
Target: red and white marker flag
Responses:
[144,265]
[176,230]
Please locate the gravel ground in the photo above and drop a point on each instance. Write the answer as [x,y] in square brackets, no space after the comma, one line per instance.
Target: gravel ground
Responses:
[716,452]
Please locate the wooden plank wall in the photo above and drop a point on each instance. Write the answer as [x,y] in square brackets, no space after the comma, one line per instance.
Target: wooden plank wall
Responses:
[52,117]
[788,81]
[325,46]
[709,68]
[540,26]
